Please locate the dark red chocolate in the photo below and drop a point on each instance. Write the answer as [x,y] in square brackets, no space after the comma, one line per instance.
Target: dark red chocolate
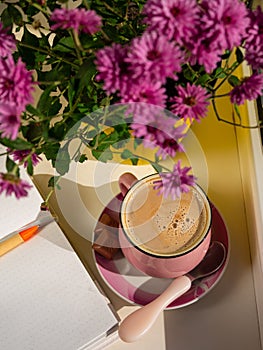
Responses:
[106,243]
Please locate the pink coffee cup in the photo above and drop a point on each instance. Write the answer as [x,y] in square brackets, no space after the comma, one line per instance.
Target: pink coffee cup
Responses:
[138,203]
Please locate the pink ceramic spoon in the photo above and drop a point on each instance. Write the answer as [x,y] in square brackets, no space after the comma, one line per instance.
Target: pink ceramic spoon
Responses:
[140,321]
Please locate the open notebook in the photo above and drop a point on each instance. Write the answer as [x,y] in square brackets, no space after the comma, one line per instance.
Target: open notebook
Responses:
[47,298]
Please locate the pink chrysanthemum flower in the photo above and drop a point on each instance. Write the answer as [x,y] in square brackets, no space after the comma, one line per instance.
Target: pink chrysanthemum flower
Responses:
[229,18]
[204,56]
[219,29]
[175,19]
[15,83]
[7,42]
[112,68]
[152,56]
[144,101]
[78,19]
[11,184]
[250,88]
[205,49]
[9,120]
[191,102]
[151,93]
[169,144]
[254,40]
[174,183]
[158,130]
[20,156]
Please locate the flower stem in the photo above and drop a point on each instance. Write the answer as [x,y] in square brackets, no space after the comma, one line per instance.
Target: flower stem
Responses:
[86,4]
[235,66]
[222,95]
[256,126]
[106,37]
[50,53]
[78,46]
[48,196]
[51,192]
[142,158]
[108,7]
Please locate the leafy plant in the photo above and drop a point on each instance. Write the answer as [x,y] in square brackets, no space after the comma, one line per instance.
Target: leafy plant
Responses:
[106,71]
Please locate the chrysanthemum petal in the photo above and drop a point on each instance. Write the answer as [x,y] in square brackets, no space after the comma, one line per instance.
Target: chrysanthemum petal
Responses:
[172,184]
[10,184]
[78,19]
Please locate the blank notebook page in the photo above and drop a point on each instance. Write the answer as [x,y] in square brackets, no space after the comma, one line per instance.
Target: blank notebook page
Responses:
[47,299]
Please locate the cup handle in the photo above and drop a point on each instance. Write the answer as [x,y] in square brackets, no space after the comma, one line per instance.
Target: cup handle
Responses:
[126,180]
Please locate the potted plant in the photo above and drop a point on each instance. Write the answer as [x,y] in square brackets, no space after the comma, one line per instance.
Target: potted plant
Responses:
[108,71]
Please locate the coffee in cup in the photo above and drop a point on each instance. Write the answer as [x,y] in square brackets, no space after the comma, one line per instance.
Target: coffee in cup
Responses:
[165,229]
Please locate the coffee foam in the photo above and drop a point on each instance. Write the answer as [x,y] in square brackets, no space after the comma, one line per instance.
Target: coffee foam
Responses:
[164,226]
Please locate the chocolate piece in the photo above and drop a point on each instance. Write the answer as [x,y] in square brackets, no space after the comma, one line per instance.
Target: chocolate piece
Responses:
[106,243]
[106,222]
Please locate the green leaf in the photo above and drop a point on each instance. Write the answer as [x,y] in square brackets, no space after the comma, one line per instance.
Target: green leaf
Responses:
[63,160]
[34,132]
[126,154]
[10,164]
[58,131]
[89,42]
[55,106]
[53,182]
[234,80]
[157,167]
[49,76]
[65,45]
[34,111]
[52,4]
[71,93]
[48,105]
[189,74]
[29,38]
[86,72]
[51,150]
[44,41]
[30,169]
[219,73]
[40,57]
[6,19]
[91,134]
[203,79]
[134,161]
[16,15]
[112,32]
[237,111]
[103,156]
[28,53]
[17,144]
[83,158]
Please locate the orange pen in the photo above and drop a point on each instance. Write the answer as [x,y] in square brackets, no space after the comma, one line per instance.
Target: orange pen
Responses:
[14,240]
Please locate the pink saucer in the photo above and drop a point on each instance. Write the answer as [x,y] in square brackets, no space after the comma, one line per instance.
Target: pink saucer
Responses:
[137,288]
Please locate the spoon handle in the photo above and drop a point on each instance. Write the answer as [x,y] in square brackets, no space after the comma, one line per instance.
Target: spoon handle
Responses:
[140,321]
